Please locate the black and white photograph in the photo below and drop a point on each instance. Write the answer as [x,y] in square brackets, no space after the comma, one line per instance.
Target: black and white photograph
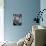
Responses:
[17,19]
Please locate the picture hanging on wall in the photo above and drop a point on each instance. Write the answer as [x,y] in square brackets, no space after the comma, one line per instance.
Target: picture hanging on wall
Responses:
[17,19]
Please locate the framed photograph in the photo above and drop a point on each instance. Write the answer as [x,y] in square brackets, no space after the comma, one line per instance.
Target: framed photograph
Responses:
[17,19]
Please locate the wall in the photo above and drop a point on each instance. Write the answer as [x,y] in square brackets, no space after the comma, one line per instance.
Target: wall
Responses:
[27,8]
[43,6]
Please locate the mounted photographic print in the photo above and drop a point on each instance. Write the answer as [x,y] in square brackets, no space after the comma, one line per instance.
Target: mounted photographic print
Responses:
[17,19]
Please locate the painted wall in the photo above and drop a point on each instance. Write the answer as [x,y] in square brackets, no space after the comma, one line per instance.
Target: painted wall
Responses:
[27,8]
